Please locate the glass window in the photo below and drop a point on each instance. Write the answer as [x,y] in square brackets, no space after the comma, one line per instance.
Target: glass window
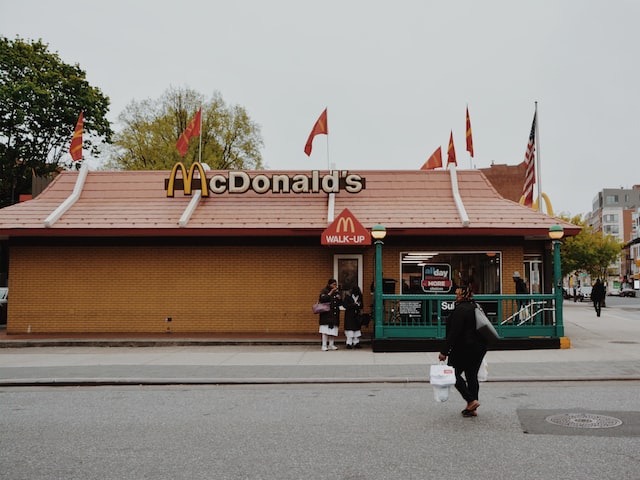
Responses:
[443,272]
[612,199]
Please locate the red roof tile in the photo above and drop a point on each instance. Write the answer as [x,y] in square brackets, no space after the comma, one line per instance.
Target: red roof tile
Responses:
[135,203]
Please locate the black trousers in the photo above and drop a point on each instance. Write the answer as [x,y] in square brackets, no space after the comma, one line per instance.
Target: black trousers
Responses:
[467,360]
[597,304]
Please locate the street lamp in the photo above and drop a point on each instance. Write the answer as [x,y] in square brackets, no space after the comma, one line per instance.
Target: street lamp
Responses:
[556,232]
[378,232]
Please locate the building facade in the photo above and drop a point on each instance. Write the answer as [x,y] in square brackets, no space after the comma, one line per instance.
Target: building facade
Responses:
[615,212]
[244,252]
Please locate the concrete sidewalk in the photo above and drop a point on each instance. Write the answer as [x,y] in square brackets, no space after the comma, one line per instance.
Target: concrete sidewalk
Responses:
[605,348]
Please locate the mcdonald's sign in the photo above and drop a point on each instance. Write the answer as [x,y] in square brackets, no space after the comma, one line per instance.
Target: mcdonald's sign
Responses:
[238,182]
[346,230]
[187,181]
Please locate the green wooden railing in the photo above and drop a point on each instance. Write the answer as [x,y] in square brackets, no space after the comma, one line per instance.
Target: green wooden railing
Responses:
[424,316]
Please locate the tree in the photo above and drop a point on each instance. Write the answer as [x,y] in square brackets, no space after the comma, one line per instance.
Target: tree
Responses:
[589,251]
[40,100]
[230,139]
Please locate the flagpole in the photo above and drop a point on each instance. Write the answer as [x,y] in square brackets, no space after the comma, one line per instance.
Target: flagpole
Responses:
[537,152]
[200,144]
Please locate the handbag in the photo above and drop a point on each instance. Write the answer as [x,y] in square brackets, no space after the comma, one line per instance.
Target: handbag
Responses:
[365,318]
[321,307]
[485,328]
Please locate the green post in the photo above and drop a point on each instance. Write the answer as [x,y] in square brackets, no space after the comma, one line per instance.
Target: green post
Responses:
[556,232]
[377,297]
[378,232]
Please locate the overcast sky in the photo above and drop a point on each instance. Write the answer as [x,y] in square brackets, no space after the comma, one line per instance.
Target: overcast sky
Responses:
[396,76]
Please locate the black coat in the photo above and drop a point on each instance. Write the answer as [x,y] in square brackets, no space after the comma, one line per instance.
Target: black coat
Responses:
[521,287]
[461,329]
[352,312]
[332,317]
[597,292]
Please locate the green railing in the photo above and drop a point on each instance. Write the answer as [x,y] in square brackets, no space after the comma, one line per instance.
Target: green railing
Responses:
[424,316]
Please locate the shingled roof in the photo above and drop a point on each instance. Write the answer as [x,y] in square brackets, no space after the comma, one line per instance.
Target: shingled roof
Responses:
[407,202]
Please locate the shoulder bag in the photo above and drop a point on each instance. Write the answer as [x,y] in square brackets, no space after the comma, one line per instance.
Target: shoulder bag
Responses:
[321,307]
[485,328]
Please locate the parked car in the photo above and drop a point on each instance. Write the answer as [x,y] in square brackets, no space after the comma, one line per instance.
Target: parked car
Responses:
[627,292]
[585,293]
[614,292]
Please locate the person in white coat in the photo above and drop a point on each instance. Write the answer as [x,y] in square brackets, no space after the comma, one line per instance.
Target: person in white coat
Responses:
[352,304]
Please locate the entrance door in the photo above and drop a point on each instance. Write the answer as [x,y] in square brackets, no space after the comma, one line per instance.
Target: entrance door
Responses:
[533,273]
[347,269]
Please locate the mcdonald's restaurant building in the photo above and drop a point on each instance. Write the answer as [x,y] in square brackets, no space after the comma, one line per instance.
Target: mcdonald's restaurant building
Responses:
[247,252]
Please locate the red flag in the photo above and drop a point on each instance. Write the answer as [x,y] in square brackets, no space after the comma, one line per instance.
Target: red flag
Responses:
[320,127]
[192,130]
[451,152]
[469,137]
[75,149]
[434,161]
[529,161]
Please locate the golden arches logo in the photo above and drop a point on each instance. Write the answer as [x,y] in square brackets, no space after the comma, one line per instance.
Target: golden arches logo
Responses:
[536,204]
[187,178]
[345,224]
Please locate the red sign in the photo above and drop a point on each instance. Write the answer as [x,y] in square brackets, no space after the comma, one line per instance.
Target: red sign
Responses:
[346,230]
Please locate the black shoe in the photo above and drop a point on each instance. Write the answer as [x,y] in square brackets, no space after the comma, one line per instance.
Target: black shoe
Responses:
[357,345]
[349,347]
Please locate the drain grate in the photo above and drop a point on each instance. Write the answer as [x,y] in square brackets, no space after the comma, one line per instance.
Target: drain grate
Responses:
[583,420]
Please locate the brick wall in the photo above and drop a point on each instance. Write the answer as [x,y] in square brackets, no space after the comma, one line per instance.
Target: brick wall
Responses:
[213,289]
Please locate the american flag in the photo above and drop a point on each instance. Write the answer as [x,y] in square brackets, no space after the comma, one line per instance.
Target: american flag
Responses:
[529,161]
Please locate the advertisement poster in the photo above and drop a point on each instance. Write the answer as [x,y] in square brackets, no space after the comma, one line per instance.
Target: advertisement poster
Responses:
[436,278]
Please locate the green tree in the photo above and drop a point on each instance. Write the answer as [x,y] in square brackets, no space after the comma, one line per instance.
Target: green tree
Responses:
[230,139]
[589,251]
[40,100]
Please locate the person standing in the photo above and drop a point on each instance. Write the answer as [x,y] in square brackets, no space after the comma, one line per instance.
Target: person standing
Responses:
[465,349]
[597,296]
[330,321]
[352,304]
[521,289]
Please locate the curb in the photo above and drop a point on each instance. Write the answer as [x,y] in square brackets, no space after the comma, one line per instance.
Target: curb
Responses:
[95,382]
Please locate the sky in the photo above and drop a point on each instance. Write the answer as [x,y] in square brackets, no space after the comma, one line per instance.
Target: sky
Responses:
[395,77]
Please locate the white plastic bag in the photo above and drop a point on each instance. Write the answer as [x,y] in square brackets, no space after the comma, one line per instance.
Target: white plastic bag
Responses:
[441,378]
[442,374]
[441,392]
[483,373]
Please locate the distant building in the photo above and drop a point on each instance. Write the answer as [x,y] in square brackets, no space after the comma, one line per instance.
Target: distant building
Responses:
[615,212]
[506,179]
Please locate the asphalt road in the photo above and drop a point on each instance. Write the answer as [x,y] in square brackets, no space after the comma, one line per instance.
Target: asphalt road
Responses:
[320,431]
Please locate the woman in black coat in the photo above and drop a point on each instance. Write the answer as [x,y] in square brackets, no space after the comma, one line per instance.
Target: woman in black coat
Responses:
[352,304]
[330,321]
[465,349]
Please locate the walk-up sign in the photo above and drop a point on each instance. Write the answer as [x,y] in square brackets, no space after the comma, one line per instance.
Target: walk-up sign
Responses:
[346,230]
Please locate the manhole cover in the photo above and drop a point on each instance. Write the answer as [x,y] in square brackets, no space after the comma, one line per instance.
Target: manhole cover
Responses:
[583,420]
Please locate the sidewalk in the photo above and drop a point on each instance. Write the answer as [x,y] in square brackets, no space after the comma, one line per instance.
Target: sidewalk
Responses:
[605,348]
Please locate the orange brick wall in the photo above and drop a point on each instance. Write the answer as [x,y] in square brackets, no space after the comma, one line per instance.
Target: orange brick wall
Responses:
[213,289]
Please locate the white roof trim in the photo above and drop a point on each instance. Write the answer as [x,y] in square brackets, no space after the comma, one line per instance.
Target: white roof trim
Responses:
[193,204]
[456,195]
[70,200]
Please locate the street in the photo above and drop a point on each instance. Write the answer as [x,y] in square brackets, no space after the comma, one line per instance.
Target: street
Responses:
[329,431]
